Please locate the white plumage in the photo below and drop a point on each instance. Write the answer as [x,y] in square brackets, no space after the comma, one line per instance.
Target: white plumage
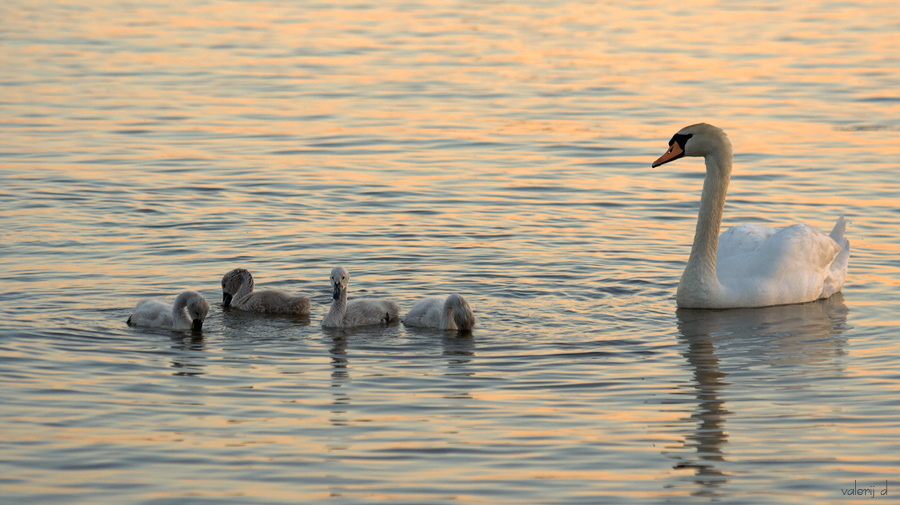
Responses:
[444,313]
[187,313]
[750,265]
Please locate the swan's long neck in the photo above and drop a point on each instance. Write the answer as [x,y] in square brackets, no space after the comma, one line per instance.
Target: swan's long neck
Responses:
[448,321]
[456,314]
[180,317]
[700,273]
[246,285]
[338,306]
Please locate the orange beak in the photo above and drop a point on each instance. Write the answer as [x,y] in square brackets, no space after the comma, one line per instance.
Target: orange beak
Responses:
[673,153]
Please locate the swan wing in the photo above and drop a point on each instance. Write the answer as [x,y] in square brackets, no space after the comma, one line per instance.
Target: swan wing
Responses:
[743,239]
[770,266]
[273,302]
[366,311]
[152,312]
[426,312]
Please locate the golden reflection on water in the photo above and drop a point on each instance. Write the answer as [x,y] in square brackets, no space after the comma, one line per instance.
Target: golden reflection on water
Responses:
[513,142]
[784,338]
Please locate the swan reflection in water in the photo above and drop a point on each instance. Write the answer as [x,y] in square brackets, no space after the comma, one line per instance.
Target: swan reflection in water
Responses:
[759,343]
[340,377]
[458,350]
[187,359]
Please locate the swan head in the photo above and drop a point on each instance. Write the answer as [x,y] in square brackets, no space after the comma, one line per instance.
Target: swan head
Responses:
[196,306]
[461,312]
[700,139]
[231,283]
[197,311]
[340,277]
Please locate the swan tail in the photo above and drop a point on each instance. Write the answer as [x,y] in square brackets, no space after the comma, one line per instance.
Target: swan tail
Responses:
[838,270]
[837,233]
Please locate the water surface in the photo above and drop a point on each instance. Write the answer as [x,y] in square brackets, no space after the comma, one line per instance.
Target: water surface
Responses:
[499,151]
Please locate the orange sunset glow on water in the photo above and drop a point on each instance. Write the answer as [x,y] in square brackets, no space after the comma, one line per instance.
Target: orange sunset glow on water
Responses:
[501,152]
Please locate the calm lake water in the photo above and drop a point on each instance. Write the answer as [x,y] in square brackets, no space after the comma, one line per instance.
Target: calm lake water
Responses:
[499,151]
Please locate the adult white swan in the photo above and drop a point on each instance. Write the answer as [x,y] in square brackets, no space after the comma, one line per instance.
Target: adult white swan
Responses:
[750,265]
[444,313]
[187,313]
[359,312]
[237,292]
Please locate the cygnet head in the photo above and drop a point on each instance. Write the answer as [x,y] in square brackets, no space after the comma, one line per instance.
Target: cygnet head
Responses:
[700,139]
[196,306]
[340,277]
[461,312]
[197,310]
[231,284]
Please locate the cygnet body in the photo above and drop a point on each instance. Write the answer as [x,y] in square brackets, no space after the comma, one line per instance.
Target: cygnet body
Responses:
[444,313]
[358,312]
[237,292]
[187,313]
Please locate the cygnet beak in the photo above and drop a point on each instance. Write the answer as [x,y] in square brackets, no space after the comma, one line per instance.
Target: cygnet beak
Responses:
[197,325]
[226,299]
